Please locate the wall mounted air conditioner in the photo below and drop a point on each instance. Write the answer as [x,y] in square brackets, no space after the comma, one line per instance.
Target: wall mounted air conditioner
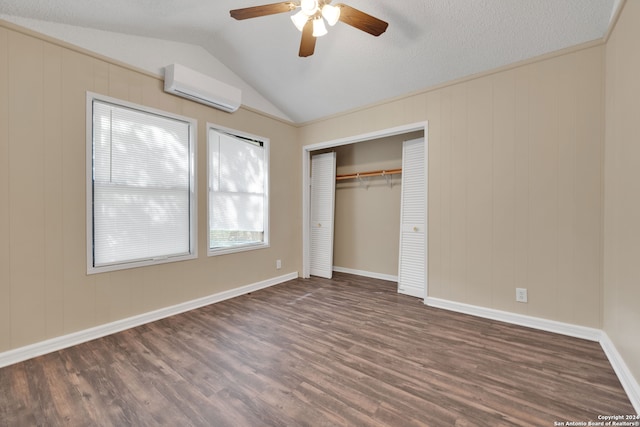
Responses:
[182,81]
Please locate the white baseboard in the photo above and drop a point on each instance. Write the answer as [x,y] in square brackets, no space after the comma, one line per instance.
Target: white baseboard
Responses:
[38,349]
[627,380]
[373,275]
[571,330]
[629,383]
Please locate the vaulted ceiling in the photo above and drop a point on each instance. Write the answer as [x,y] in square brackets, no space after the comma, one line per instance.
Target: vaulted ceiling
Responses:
[428,42]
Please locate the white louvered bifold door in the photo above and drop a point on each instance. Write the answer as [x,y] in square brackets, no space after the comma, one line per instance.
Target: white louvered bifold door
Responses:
[412,262]
[323,192]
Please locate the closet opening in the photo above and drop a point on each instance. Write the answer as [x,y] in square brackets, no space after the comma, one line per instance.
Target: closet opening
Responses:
[367,223]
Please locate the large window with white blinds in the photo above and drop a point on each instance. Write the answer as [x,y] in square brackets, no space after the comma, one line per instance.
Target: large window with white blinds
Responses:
[238,171]
[141,205]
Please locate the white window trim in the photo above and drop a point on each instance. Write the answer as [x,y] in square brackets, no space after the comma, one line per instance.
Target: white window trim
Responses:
[193,208]
[266,145]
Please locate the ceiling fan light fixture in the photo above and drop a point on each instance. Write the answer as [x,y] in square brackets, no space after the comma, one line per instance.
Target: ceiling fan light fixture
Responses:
[319,28]
[311,17]
[331,14]
[299,20]
[309,7]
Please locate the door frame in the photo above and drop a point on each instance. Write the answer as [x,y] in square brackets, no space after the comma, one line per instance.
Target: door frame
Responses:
[306,179]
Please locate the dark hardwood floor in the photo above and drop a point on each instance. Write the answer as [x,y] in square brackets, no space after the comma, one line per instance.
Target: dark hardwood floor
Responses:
[348,351]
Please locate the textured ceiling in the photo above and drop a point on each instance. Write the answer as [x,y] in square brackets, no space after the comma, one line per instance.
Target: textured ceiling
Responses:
[428,42]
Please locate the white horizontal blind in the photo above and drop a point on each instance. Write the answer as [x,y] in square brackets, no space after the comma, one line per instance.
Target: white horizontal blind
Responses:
[237,190]
[141,185]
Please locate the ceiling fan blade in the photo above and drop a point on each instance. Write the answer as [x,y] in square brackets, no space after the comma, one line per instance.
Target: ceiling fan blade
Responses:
[361,20]
[308,42]
[265,9]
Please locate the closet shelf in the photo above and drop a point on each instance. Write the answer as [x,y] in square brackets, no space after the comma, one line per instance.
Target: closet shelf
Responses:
[368,174]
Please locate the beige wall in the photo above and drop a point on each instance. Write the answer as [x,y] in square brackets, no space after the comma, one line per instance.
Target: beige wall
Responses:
[515,184]
[44,289]
[622,188]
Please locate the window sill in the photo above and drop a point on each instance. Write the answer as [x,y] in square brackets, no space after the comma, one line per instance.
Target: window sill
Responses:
[142,263]
[235,249]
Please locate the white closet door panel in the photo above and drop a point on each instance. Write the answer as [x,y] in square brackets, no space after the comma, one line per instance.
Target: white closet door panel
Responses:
[322,193]
[323,188]
[413,182]
[321,252]
[411,278]
[412,262]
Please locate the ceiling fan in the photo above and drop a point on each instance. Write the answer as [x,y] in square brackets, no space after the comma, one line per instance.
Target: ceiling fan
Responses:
[311,16]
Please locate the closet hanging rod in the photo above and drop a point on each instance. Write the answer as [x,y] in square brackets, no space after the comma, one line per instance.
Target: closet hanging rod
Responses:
[367,174]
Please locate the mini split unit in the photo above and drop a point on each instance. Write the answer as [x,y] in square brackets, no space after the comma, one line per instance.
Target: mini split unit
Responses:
[182,81]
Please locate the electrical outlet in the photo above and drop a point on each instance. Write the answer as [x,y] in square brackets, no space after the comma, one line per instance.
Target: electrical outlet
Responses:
[278,264]
[521,294]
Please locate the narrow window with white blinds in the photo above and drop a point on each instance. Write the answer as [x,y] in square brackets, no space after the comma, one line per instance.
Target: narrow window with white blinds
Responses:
[141,191]
[238,192]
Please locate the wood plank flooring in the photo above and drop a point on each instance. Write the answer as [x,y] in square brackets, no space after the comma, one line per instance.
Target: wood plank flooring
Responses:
[343,352]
